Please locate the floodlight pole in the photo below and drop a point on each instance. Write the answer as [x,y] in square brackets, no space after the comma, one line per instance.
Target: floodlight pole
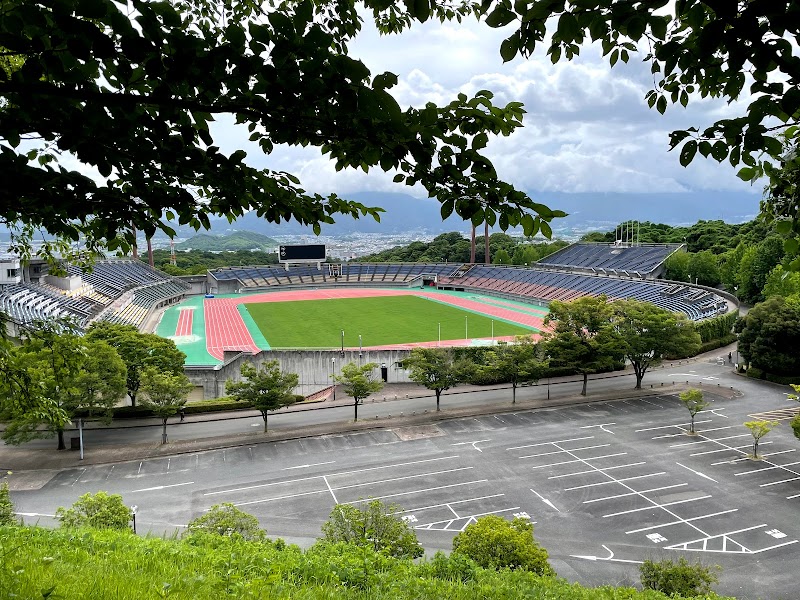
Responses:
[333,376]
[342,342]
[359,345]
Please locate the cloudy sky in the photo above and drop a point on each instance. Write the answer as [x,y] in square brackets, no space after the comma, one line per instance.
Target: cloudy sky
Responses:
[587,127]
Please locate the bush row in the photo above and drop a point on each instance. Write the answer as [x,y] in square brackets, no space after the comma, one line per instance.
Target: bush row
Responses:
[716,328]
[757,373]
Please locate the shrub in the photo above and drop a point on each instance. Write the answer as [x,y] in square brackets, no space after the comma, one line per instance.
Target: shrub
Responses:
[795,425]
[7,515]
[100,511]
[495,543]
[681,579]
[456,567]
[227,520]
[377,525]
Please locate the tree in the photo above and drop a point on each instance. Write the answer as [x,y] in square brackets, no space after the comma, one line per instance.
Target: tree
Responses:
[138,351]
[769,335]
[8,517]
[647,333]
[782,282]
[676,267]
[359,383]
[130,91]
[495,543]
[266,388]
[703,268]
[520,362]
[693,401]
[436,369]
[100,511]
[583,337]
[795,422]
[758,429]
[164,394]
[678,579]
[377,526]
[100,384]
[501,257]
[226,520]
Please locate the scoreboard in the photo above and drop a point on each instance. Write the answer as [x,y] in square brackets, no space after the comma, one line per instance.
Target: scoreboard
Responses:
[302,253]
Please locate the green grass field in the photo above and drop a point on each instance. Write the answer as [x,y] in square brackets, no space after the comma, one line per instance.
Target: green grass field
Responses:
[379,321]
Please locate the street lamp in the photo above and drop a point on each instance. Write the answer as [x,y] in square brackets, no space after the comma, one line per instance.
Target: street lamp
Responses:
[466,328]
[333,375]
[359,345]
[440,335]
[492,332]
[342,342]
[133,516]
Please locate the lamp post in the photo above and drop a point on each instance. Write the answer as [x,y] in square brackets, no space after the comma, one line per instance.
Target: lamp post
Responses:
[466,328]
[440,335]
[359,345]
[492,332]
[333,375]
[133,517]
[342,342]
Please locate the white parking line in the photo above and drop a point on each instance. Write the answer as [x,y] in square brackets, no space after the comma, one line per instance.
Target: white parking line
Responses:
[655,505]
[415,476]
[591,437]
[329,462]
[636,464]
[670,426]
[330,489]
[682,521]
[161,487]
[710,440]
[562,451]
[286,497]
[766,469]
[658,489]
[792,497]
[566,462]
[725,449]
[782,452]
[411,510]
[581,487]
[440,487]
[779,482]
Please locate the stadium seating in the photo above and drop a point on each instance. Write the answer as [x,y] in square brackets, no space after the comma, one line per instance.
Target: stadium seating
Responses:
[100,296]
[626,259]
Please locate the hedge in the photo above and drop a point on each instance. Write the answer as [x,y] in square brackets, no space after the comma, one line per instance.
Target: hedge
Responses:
[757,373]
[192,408]
[716,328]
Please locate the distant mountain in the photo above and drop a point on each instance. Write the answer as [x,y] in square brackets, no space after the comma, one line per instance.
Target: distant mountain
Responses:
[239,240]
[586,211]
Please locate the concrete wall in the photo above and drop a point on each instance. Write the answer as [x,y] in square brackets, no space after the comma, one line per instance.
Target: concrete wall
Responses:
[198,282]
[315,368]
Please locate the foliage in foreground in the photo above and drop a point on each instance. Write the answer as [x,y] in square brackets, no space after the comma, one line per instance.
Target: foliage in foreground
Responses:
[209,568]
[495,543]
[226,520]
[7,515]
[377,526]
[680,578]
[100,511]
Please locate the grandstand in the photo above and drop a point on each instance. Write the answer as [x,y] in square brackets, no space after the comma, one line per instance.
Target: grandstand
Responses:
[641,260]
[533,284]
[120,291]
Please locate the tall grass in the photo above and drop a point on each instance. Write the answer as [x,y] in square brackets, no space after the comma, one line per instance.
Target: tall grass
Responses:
[108,565]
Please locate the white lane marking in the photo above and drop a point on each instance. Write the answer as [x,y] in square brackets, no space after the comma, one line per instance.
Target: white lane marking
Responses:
[671,426]
[792,497]
[580,487]
[545,500]
[591,437]
[411,510]
[562,451]
[779,482]
[655,505]
[161,487]
[609,558]
[473,444]
[261,485]
[773,547]
[682,521]
[658,489]
[602,426]
[440,487]
[566,462]
[636,464]
[782,452]
[329,462]
[696,472]
[325,479]
[110,472]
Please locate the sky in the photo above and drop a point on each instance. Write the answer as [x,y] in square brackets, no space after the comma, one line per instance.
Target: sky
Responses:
[587,127]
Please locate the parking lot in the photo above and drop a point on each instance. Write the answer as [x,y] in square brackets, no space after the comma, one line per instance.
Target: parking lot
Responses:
[606,484]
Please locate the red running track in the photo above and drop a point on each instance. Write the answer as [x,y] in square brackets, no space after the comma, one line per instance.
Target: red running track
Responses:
[184,326]
[225,329]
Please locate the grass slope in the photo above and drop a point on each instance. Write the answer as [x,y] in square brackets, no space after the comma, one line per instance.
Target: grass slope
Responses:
[379,321]
[87,564]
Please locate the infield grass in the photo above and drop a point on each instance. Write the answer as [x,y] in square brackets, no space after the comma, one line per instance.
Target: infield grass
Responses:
[380,321]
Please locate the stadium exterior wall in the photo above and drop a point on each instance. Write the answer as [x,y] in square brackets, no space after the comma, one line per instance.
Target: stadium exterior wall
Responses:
[315,368]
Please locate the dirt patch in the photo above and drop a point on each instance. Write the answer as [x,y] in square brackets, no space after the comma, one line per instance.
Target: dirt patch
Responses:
[419,432]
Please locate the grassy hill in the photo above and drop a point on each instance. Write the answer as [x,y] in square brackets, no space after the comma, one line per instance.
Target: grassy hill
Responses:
[240,240]
[90,564]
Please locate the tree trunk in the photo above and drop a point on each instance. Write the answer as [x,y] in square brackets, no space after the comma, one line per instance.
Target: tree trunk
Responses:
[486,259]
[585,380]
[691,427]
[355,409]
[639,377]
[164,433]
[755,448]
[150,252]
[438,395]
[472,247]
[513,393]
[61,444]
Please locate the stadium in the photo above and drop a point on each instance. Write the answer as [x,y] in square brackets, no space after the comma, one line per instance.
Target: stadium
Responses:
[315,316]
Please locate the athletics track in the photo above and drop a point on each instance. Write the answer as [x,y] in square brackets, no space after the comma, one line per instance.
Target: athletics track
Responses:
[226,329]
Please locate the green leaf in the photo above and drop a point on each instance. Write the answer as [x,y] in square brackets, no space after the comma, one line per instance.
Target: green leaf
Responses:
[422,10]
[746,173]
[568,28]
[500,17]
[687,152]
[661,105]
[509,47]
